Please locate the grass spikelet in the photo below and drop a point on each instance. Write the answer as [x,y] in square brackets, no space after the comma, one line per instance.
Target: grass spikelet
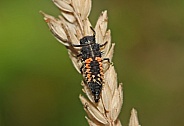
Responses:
[133,118]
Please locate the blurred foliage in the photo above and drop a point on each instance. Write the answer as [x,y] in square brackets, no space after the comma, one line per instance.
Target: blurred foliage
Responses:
[40,87]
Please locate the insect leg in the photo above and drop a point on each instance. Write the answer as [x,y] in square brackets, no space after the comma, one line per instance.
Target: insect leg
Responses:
[82,68]
[80,45]
[108,65]
[94,33]
[79,55]
[103,44]
[76,45]
[107,59]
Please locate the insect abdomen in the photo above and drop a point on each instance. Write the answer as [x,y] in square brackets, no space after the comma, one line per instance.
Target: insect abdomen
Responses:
[93,72]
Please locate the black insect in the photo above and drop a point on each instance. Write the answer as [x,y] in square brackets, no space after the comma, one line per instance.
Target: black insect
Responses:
[92,68]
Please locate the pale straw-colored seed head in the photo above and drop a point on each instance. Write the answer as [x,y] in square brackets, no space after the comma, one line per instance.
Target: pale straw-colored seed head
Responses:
[133,118]
[68,29]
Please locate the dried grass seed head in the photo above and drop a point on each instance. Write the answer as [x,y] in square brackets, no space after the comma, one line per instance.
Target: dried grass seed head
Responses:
[69,28]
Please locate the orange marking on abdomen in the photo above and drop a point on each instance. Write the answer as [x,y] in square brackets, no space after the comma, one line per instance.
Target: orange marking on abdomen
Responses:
[99,59]
[88,60]
[87,66]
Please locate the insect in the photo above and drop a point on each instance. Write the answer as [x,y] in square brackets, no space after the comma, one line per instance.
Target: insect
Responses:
[92,64]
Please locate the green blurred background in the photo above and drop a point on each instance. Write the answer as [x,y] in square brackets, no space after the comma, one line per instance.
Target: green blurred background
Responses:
[40,87]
